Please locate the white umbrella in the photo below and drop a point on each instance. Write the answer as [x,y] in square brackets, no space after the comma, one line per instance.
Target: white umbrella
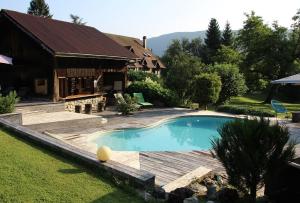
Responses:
[294,79]
[6,59]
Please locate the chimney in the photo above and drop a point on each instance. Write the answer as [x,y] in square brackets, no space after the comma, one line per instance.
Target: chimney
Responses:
[145,42]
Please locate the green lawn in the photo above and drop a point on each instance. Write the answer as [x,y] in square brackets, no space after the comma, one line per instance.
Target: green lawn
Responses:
[255,101]
[32,174]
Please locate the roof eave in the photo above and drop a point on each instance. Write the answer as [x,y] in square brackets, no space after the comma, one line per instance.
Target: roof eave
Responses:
[80,55]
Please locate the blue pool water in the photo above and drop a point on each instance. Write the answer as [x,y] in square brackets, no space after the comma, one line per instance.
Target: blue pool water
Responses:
[180,134]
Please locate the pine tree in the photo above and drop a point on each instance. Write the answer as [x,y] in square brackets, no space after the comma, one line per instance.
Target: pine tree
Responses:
[77,20]
[39,8]
[227,35]
[212,40]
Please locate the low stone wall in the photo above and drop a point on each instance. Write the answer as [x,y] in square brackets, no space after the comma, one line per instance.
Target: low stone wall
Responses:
[70,105]
[15,118]
[139,179]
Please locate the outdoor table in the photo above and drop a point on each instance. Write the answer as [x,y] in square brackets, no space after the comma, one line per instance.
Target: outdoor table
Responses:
[296,116]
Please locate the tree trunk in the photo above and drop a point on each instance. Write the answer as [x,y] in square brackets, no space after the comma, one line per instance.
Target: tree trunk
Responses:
[253,193]
[271,94]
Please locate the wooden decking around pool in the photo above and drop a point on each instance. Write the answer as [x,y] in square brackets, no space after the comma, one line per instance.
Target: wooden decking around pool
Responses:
[170,166]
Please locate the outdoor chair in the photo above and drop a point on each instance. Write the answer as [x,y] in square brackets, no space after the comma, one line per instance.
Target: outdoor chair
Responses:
[278,107]
[141,100]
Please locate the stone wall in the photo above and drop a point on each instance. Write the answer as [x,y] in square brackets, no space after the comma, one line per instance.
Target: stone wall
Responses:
[70,105]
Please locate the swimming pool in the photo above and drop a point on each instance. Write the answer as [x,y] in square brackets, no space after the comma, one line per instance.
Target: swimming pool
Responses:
[179,134]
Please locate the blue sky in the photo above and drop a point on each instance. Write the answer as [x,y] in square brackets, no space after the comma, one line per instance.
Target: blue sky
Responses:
[155,17]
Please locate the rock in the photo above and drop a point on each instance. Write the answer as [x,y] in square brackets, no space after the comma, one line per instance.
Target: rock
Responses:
[178,195]
[191,200]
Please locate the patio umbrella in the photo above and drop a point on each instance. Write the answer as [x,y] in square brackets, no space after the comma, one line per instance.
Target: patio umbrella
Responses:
[6,60]
[294,79]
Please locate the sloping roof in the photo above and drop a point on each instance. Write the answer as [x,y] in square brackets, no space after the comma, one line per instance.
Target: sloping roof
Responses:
[63,38]
[136,45]
[294,79]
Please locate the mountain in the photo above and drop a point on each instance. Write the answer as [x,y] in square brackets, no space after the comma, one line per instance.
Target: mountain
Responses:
[160,44]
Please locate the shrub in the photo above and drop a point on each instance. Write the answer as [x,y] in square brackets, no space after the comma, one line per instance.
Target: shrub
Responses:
[206,88]
[7,103]
[141,76]
[154,92]
[233,82]
[252,151]
[244,111]
[126,105]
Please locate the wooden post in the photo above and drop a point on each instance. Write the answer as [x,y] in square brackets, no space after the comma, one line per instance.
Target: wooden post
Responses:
[55,83]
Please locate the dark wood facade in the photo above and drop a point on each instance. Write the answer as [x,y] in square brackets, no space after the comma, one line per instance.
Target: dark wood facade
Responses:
[38,72]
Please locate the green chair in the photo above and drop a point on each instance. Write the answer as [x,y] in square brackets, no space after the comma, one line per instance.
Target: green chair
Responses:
[278,107]
[141,100]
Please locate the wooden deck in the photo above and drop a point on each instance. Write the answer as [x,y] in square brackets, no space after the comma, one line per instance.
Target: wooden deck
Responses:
[170,166]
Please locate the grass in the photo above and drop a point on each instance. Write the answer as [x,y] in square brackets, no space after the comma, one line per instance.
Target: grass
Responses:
[255,101]
[31,174]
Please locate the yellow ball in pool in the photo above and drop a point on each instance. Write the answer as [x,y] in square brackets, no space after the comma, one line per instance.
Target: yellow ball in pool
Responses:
[104,153]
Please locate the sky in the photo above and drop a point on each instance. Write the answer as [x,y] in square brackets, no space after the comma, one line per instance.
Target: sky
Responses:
[156,17]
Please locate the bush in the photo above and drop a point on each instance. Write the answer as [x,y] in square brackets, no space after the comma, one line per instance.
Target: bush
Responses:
[154,92]
[134,76]
[206,88]
[126,105]
[252,152]
[244,111]
[233,82]
[7,103]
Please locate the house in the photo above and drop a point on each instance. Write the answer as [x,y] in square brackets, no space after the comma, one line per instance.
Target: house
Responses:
[59,60]
[146,61]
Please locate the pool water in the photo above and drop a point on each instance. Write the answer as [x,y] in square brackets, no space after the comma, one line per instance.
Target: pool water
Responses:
[180,134]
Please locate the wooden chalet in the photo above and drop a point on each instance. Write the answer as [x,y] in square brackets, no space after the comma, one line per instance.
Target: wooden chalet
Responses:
[146,61]
[59,60]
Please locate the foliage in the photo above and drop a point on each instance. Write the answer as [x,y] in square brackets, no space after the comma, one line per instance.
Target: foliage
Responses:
[244,110]
[212,40]
[181,71]
[268,51]
[77,20]
[233,82]
[7,103]
[39,8]
[228,55]
[252,151]
[126,105]
[227,36]
[134,75]
[43,176]
[206,88]
[154,92]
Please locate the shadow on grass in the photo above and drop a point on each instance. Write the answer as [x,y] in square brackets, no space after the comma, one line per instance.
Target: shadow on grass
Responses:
[70,171]
[115,197]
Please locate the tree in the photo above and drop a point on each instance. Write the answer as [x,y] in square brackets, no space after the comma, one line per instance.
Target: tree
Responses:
[39,8]
[182,69]
[228,55]
[233,82]
[295,35]
[212,40]
[252,151]
[227,37]
[77,20]
[267,52]
[206,88]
